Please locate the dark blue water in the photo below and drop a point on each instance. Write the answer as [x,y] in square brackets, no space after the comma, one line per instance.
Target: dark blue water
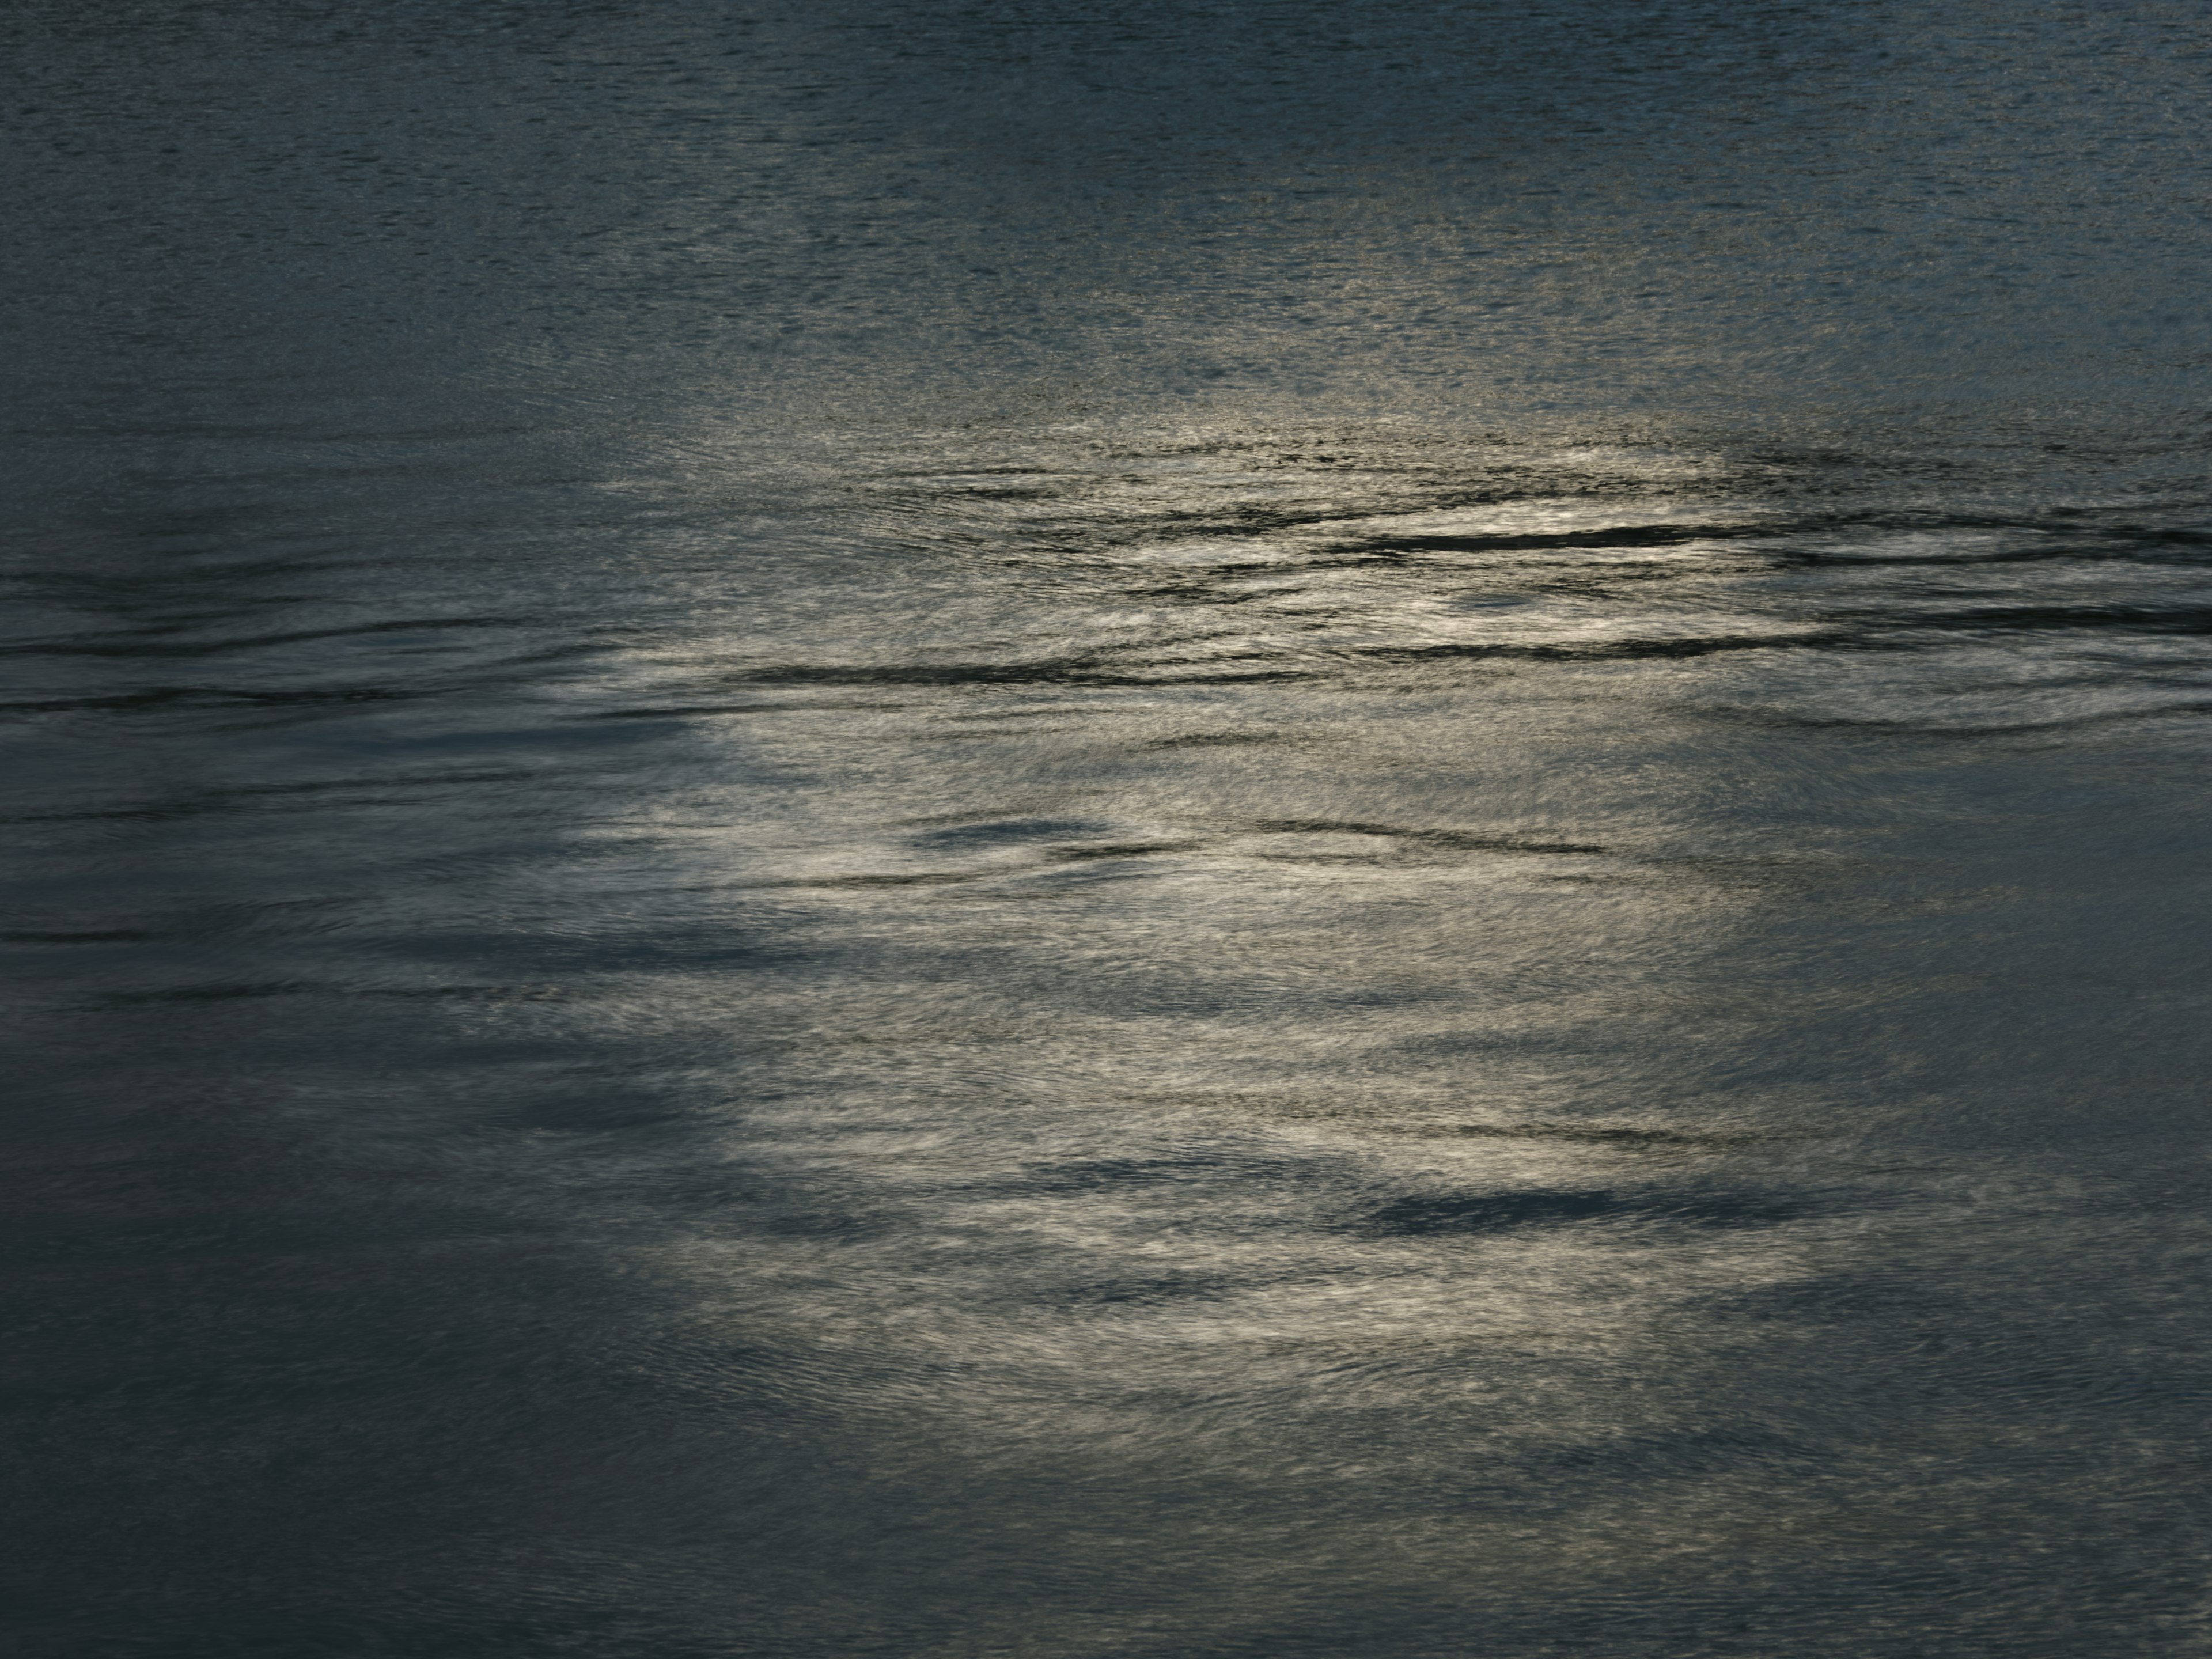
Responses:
[1177,829]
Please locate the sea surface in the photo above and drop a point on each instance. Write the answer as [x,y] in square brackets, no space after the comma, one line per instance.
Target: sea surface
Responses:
[1106,830]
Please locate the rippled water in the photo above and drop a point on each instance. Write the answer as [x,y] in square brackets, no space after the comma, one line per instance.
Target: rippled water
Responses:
[1190,831]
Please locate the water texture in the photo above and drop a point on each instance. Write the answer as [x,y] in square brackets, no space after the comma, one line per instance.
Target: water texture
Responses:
[1183,829]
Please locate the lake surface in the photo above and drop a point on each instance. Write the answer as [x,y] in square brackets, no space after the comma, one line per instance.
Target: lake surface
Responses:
[1182,829]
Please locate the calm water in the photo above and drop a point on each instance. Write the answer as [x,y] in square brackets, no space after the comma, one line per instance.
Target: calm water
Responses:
[1184,830]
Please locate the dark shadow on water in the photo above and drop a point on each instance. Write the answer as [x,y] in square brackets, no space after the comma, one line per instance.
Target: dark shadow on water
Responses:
[1457,840]
[1489,1212]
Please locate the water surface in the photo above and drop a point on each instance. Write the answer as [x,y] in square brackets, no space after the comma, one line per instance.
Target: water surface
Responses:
[1185,830]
